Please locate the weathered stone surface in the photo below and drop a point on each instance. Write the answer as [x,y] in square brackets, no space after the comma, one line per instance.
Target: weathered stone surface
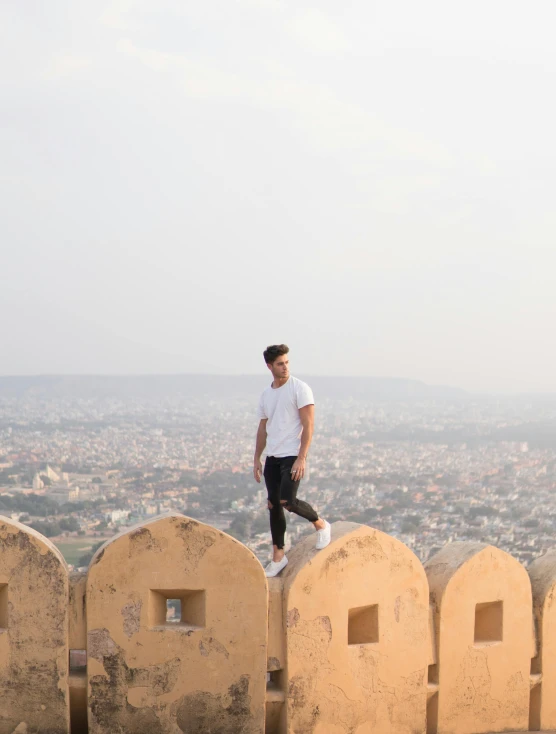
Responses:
[542,573]
[34,695]
[205,674]
[356,616]
[350,637]
[483,624]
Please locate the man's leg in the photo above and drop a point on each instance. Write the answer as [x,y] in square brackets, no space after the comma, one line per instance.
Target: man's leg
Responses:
[288,493]
[276,509]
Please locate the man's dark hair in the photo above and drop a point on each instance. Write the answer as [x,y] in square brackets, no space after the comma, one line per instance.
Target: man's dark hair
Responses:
[272,353]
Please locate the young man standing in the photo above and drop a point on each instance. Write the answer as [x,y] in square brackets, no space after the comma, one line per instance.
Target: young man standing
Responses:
[286,414]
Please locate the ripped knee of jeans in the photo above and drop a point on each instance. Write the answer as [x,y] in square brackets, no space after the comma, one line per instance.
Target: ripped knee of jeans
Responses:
[270,505]
[286,504]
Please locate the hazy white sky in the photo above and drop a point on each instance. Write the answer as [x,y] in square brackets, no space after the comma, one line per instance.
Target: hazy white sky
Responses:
[183,183]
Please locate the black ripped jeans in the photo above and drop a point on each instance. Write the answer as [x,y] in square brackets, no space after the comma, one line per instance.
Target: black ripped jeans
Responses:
[280,486]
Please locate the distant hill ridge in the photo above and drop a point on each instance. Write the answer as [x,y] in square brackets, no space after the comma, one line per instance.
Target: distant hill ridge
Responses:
[216,386]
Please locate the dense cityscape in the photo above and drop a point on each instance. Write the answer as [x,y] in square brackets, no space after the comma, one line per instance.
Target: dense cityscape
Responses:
[427,471]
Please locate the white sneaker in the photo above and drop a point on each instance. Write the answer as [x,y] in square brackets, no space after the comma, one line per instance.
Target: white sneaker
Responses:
[323,536]
[274,568]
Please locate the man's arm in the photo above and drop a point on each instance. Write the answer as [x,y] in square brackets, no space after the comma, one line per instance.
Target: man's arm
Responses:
[307,416]
[259,448]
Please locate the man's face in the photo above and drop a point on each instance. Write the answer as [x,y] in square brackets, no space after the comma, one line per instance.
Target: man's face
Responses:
[280,368]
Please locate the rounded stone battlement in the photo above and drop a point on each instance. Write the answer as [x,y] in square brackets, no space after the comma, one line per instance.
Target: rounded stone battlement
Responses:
[175,629]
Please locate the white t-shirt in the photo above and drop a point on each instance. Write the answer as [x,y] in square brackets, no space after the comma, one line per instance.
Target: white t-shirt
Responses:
[281,407]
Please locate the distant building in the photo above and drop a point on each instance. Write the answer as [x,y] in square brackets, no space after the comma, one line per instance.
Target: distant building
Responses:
[51,474]
[117,516]
[63,494]
[38,482]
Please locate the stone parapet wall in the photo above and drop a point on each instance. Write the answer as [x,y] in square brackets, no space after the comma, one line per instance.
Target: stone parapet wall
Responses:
[359,637]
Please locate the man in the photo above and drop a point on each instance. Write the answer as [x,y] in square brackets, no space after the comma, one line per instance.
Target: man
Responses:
[286,414]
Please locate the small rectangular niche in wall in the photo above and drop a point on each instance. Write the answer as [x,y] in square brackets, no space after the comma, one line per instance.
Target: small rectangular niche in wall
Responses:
[77,661]
[489,622]
[177,608]
[536,666]
[363,625]
[3,606]
[275,680]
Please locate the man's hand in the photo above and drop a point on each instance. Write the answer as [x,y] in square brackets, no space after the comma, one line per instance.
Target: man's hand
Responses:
[257,471]
[298,469]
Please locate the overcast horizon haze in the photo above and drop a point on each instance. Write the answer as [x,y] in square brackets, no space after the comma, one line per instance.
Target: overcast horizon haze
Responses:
[184,183]
[373,389]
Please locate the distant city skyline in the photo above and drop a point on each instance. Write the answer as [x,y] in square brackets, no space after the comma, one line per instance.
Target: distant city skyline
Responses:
[184,183]
[427,471]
